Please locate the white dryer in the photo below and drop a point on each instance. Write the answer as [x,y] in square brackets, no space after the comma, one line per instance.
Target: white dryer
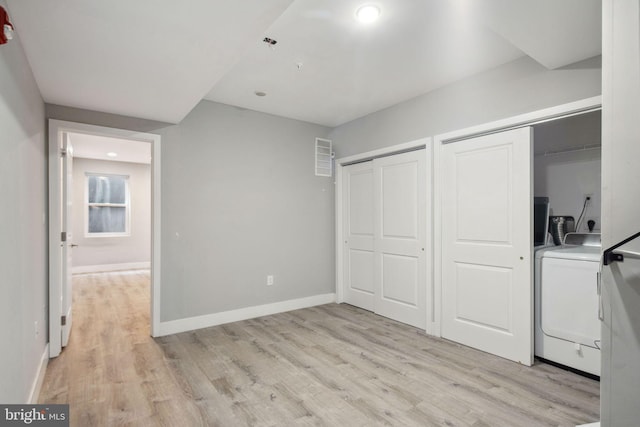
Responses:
[567,328]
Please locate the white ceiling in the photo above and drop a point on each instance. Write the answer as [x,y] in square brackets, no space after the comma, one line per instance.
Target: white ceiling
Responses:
[96,147]
[553,32]
[152,59]
[157,59]
[350,69]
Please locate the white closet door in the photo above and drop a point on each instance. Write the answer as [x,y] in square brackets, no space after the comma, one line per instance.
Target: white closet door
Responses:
[384,222]
[358,223]
[487,293]
[400,223]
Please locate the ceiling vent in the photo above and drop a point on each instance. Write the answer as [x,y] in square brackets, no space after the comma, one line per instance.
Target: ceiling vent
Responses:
[324,157]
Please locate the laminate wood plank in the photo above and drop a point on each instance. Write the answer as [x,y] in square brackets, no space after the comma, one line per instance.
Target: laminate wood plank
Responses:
[331,365]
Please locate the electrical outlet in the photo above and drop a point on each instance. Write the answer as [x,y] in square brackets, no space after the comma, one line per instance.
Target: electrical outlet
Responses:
[588,197]
[269,280]
[35,327]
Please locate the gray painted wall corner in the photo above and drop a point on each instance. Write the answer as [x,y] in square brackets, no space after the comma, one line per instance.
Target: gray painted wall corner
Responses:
[23,225]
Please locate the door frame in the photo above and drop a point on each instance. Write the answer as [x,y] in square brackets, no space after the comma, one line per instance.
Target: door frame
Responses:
[528,119]
[370,155]
[56,129]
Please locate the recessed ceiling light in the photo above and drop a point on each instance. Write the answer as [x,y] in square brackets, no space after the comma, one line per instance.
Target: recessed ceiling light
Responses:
[367,13]
[112,154]
[259,93]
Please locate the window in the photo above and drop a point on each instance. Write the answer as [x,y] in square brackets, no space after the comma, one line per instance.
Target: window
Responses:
[108,207]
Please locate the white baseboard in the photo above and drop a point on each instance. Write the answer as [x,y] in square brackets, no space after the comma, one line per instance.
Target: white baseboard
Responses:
[111,267]
[199,322]
[34,393]
[590,425]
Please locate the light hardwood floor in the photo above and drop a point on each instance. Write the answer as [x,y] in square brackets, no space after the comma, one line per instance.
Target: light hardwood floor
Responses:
[333,365]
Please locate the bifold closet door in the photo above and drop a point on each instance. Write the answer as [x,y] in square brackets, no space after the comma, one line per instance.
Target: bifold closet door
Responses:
[384,220]
[487,291]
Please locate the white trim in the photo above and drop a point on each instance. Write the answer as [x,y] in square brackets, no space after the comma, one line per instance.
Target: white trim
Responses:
[34,393]
[433,322]
[430,230]
[100,268]
[557,112]
[381,152]
[156,233]
[57,128]
[527,119]
[386,151]
[214,319]
[55,252]
[339,234]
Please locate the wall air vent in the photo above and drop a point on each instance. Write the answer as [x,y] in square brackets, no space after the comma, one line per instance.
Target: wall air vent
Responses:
[324,157]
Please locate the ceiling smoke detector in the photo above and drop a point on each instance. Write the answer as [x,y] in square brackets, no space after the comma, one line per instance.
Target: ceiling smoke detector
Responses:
[260,93]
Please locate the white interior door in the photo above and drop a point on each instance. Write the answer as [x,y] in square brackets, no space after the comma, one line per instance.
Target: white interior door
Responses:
[358,205]
[487,292]
[384,220]
[60,196]
[67,244]
[400,224]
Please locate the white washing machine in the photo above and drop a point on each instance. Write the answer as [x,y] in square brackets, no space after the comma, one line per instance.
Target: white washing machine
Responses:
[567,328]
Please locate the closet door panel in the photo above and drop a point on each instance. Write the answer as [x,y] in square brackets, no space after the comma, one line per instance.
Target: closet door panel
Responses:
[487,290]
[400,225]
[358,223]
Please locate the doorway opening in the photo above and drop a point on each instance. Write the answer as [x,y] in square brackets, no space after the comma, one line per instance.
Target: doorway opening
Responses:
[104,204]
[111,214]
[567,181]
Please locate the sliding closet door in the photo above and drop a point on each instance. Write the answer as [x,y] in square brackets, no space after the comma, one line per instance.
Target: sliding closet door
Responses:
[400,222]
[358,223]
[487,293]
[384,220]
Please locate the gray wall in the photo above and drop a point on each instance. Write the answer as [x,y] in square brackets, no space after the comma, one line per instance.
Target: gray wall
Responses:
[239,201]
[94,251]
[23,246]
[566,178]
[517,87]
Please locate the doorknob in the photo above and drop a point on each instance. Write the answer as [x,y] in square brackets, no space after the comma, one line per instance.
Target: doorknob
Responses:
[74,246]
